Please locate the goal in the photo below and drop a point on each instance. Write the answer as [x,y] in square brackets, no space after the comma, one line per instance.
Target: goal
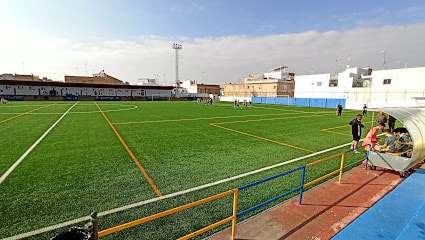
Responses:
[283,99]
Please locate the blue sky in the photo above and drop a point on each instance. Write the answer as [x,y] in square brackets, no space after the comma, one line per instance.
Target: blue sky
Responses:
[86,27]
[204,18]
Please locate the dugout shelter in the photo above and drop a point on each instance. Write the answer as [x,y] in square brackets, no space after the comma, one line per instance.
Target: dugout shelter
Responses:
[413,119]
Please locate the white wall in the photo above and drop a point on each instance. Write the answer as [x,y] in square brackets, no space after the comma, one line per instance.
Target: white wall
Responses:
[313,86]
[77,91]
[190,88]
[232,99]
[358,104]
[405,84]
[346,78]
[409,79]
[277,75]
[6,90]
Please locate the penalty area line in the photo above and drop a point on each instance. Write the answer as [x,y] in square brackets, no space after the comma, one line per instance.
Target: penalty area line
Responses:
[10,170]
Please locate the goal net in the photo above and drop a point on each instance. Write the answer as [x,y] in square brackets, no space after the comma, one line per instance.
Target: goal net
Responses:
[283,99]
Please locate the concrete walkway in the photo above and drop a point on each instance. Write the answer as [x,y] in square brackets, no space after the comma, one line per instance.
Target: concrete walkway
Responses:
[325,210]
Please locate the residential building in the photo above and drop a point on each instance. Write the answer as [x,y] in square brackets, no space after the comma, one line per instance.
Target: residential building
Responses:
[380,88]
[98,78]
[277,82]
[20,77]
[194,88]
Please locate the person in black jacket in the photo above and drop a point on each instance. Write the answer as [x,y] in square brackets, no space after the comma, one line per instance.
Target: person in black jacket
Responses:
[364,110]
[391,123]
[356,131]
[339,110]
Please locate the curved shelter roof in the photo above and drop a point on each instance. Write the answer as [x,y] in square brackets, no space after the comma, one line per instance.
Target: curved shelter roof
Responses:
[413,120]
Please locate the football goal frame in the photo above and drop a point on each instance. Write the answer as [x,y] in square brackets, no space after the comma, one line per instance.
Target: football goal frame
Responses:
[283,99]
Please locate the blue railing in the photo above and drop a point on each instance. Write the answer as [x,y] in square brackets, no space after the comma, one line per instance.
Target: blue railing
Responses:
[299,188]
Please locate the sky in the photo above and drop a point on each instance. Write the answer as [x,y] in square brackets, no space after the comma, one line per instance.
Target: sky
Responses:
[223,41]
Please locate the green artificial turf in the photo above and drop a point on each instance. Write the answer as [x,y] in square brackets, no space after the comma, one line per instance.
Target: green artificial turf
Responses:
[81,166]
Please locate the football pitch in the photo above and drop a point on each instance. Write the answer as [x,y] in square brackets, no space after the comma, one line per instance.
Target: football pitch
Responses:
[60,161]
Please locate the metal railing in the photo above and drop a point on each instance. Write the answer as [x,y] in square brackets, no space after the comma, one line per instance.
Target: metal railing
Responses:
[299,188]
[181,208]
[340,170]
[235,192]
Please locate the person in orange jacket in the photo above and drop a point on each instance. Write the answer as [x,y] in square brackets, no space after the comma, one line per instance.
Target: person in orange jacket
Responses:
[371,138]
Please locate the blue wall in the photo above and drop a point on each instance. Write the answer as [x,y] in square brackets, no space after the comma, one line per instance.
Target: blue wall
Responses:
[308,102]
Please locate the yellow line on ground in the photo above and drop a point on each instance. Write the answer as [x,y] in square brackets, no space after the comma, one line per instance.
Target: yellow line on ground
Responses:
[344,134]
[22,114]
[262,138]
[271,119]
[326,129]
[202,118]
[142,170]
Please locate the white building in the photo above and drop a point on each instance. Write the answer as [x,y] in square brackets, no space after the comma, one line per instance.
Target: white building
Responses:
[190,86]
[382,88]
[280,73]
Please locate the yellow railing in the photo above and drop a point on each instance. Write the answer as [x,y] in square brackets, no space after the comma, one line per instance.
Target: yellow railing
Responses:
[217,196]
[340,170]
[181,208]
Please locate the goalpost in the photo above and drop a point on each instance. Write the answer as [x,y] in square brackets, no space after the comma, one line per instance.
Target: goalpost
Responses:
[283,99]
[158,96]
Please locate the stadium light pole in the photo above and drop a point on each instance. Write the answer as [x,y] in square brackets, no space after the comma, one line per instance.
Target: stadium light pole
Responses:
[177,47]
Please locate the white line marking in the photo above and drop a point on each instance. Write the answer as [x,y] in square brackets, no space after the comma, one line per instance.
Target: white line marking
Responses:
[10,170]
[131,107]
[138,204]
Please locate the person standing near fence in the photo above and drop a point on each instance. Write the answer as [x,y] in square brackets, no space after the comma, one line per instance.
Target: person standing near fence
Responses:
[364,110]
[356,131]
[381,118]
[339,110]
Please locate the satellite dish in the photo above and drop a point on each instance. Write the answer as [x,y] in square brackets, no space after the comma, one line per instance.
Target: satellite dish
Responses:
[367,83]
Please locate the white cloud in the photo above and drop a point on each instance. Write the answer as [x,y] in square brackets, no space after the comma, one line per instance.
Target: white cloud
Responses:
[212,60]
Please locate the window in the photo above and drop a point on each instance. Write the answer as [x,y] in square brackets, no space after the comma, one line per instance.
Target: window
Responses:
[319,84]
[284,88]
[333,83]
[248,86]
[387,81]
[274,87]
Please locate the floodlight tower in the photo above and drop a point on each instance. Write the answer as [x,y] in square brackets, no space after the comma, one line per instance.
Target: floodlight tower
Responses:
[177,47]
